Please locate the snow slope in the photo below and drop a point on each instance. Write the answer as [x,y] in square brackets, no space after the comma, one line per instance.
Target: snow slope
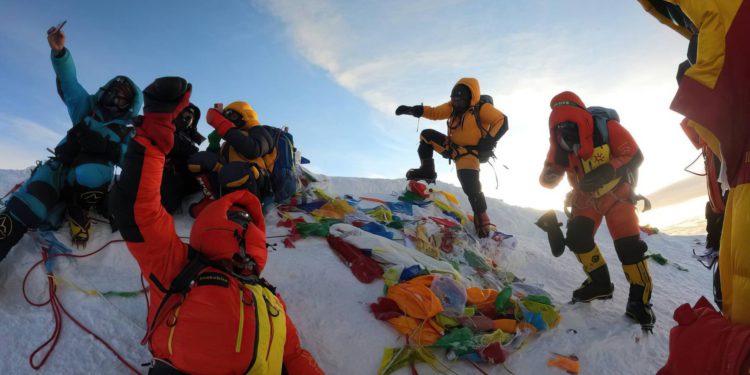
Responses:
[330,307]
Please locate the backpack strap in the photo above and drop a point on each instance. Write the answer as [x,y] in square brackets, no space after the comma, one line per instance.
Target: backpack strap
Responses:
[177,290]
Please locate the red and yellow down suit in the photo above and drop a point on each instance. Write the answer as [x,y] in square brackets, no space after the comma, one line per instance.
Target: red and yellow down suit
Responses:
[715,95]
[222,326]
[463,129]
[613,200]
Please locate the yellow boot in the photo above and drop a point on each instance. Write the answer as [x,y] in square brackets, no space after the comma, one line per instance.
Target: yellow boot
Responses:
[597,285]
[639,306]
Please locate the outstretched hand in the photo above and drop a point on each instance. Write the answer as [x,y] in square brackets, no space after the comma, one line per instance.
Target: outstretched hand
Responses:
[56,38]
[163,100]
[415,111]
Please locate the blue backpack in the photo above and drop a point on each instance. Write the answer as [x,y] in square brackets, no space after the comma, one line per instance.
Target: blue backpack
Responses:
[284,178]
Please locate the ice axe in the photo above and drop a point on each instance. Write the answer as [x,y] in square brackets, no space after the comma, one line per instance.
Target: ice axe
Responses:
[548,223]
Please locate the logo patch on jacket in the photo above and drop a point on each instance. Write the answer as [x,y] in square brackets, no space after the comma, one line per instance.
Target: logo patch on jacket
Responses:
[212,278]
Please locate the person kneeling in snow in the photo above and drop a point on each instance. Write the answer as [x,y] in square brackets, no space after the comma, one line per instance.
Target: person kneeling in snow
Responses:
[210,311]
[601,160]
[471,123]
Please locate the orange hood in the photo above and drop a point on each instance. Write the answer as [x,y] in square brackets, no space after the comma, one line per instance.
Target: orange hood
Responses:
[567,106]
[473,86]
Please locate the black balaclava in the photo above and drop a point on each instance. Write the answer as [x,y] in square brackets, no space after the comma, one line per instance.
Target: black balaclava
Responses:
[460,98]
[116,98]
[567,136]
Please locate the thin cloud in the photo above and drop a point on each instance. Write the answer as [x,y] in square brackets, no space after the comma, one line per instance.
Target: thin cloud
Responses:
[391,53]
[28,130]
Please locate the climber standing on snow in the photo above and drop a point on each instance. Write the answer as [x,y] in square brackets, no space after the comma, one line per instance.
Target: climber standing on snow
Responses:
[601,159]
[474,126]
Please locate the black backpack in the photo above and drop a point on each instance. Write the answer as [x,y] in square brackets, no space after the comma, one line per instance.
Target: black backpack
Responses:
[485,149]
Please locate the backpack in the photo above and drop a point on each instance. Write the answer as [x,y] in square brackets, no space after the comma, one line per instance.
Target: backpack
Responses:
[284,178]
[485,149]
[601,116]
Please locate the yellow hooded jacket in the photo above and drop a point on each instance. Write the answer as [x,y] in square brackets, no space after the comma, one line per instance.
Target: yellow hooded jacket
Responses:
[463,130]
[264,164]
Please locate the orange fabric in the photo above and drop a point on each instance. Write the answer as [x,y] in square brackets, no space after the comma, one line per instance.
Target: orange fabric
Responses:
[463,130]
[415,298]
[615,206]
[506,325]
[621,144]
[567,106]
[571,365]
[478,296]
[205,336]
[420,331]
[215,236]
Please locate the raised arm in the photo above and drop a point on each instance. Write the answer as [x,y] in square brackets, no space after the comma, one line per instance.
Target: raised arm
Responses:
[253,144]
[136,199]
[76,98]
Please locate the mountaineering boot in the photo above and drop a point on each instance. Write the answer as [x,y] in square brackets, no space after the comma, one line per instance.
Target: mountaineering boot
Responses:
[641,313]
[597,285]
[639,307]
[80,224]
[426,171]
[11,231]
[483,225]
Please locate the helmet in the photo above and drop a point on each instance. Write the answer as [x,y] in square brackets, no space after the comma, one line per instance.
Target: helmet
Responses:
[232,229]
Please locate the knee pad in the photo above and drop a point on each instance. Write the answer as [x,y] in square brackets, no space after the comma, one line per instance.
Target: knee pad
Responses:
[203,162]
[91,175]
[580,235]
[630,250]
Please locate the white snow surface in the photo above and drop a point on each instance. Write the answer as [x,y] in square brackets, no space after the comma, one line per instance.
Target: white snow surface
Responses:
[331,308]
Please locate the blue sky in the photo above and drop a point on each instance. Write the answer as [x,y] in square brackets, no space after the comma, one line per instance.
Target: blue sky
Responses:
[334,71]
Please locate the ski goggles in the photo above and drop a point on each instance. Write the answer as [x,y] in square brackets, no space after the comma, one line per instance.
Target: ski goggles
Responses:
[567,136]
[234,116]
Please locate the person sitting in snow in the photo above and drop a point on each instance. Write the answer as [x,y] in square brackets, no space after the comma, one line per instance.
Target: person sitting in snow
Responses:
[462,144]
[601,163]
[210,311]
[241,162]
[77,177]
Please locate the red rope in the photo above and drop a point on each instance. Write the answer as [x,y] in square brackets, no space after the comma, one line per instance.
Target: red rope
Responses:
[58,309]
[13,190]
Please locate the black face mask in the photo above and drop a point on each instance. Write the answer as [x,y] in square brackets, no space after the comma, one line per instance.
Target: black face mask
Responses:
[186,120]
[117,97]
[567,136]
[460,98]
